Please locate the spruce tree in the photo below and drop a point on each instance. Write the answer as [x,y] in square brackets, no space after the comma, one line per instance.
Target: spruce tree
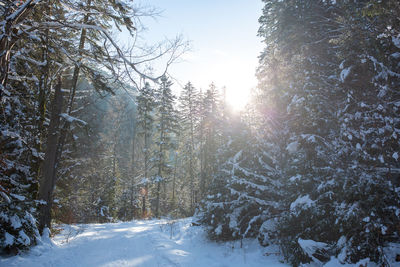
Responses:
[245,193]
[146,106]
[166,128]
[209,115]
[318,72]
[188,110]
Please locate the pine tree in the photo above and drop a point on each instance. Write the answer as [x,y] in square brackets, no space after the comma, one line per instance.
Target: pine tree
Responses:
[367,144]
[188,110]
[146,106]
[244,199]
[312,80]
[25,89]
[39,44]
[166,127]
[209,116]
[86,60]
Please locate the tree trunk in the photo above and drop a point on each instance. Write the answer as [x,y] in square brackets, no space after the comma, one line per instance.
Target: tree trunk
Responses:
[47,182]
[174,182]
[159,183]
[74,84]
[133,172]
[146,161]
[202,162]
[158,200]
[43,92]
[160,165]
[191,166]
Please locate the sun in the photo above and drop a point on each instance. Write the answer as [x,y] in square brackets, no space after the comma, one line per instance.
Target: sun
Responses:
[237,98]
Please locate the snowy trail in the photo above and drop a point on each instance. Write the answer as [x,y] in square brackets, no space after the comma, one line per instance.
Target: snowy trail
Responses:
[142,243]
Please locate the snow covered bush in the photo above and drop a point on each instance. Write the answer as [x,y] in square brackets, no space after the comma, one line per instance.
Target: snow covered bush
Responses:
[244,193]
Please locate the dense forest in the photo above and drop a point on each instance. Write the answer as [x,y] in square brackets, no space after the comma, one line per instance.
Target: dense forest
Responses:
[91,133]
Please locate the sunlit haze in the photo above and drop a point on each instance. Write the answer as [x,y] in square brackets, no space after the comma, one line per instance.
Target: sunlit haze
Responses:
[224,45]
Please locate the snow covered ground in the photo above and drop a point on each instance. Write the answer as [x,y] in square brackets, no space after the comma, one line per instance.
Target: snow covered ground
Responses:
[143,243]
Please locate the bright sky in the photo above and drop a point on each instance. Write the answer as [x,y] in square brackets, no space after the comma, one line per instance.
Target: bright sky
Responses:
[224,42]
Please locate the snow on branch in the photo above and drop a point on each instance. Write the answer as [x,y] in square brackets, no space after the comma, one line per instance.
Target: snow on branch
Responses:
[72,119]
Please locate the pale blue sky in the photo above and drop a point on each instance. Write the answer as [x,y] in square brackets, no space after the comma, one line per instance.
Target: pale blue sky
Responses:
[223,35]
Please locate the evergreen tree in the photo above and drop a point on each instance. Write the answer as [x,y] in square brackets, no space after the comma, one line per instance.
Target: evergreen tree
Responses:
[209,115]
[18,186]
[188,110]
[45,46]
[86,60]
[166,127]
[367,143]
[312,85]
[326,111]
[26,80]
[145,106]
[244,199]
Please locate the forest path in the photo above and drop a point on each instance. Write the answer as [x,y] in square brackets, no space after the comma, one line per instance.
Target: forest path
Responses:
[141,243]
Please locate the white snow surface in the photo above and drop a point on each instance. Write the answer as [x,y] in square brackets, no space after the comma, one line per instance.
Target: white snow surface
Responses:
[143,243]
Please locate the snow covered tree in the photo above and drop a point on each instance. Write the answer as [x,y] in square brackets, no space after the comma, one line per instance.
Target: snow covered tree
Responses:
[127,154]
[244,196]
[368,143]
[166,128]
[18,184]
[302,93]
[23,77]
[145,106]
[188,110]
[321,74]
[86,60]
[41,43]
[327,115]
[209,115]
